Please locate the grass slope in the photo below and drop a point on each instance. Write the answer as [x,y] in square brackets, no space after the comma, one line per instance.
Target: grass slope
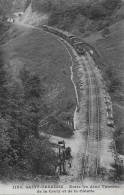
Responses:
[44,55]
[111,50]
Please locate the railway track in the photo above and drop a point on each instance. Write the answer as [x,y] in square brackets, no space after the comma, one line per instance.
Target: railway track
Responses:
[93,123]
[88,118]
[91,163]
[98,126]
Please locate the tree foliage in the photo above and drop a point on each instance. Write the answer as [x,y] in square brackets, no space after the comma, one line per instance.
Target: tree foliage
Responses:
[110,5]
[96,11]
[22,151]
[6,6]
[44,6]
[64,13]
[27,3]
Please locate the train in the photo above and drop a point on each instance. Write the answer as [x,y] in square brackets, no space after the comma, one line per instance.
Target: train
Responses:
[78,45]
[75,42]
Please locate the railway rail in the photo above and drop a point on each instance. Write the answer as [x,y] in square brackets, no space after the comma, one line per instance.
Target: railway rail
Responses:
[91,158]
[93,122]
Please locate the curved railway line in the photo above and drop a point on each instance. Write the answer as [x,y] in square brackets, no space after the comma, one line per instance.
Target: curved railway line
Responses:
[91,156]
[91,159]
[93,120]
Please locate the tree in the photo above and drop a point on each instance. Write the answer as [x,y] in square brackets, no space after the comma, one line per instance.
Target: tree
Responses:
[105,32]
[39,155]
[6,6]
[43,6]
[110,5]
[97,11]
[22,151]
[27,3]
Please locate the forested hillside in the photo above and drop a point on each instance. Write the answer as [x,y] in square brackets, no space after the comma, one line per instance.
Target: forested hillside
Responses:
[24,154]
[100,23]
[84,15]
[20,5]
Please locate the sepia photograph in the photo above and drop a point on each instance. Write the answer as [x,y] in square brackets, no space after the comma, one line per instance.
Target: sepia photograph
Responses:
[61,97]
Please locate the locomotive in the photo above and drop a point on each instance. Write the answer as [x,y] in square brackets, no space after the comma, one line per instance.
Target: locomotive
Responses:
[79,48]
[74,41]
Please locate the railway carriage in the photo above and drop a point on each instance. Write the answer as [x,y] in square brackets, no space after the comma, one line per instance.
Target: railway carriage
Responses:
[59,33]
[54,31]
[79,48]
[74,40]
[107,100]
[109,113]
[109,107]
[63,36]
[110,122]
[69,37]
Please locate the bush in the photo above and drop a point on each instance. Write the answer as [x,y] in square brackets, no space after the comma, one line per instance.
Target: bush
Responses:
[62,17]
[105,32]
[22,151]
[110,5]
[86,34]
[39,157]
[27,3]
[91,26]
[6,6]
[102,24]
[82,30]
[114,83]
[96,11]
[54,18]
[42,6]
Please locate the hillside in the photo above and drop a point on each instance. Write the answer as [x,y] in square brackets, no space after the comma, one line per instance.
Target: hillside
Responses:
[30,49]
[80,16]
[37,97]
[110,50]
[33,17]
[99,24]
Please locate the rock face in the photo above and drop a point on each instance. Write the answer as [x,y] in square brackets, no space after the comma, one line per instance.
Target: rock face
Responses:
[34,18]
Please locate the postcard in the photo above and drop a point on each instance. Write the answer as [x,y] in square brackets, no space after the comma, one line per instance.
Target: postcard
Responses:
[61,97]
